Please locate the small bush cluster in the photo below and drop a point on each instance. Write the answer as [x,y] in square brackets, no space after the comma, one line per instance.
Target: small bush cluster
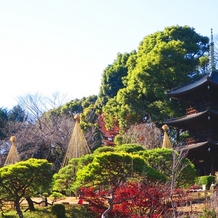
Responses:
[208,213]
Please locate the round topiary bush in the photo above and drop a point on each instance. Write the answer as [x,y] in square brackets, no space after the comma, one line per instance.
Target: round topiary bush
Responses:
[58,210]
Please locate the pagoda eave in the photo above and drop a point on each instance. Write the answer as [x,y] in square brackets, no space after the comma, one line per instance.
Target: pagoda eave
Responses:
[189,87]
[185,119]
[195,146]
[202,152]
[202,82]
[191,118]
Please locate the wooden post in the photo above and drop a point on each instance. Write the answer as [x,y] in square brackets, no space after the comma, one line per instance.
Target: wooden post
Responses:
[191,206]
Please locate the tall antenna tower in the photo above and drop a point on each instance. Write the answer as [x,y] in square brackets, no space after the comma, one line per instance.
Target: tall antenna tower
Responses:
[212,63]
[13,156]
[78,145]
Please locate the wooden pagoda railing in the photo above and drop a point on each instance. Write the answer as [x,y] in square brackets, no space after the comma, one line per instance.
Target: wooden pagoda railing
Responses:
[200,108]
[200,138]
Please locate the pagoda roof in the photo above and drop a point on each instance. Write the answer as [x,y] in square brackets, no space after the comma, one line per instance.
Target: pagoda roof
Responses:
[201,153]
[200,145]
[195,145]
[206,79]
[180,121]
[213,78]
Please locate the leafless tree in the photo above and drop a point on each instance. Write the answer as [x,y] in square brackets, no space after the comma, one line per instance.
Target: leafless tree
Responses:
[48,140]
[177,167]
[56,100]
[35,105]
[45,134]
[145,134]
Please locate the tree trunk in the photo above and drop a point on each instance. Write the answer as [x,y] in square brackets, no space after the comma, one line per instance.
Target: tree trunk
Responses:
[30,204]
[46,201]
[110,208]
[104,215]
[17,207]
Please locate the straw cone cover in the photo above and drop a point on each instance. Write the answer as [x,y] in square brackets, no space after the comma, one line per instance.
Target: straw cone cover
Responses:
[166,140]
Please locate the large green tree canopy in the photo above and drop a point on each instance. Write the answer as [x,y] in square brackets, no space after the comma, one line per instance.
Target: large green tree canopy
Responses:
[164,60]
[23,179]
[117,164]
[112,79]
[66,176]
[113,168]
[75,106]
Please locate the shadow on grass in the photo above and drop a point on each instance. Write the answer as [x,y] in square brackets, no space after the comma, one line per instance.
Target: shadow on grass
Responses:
[73,211]
[39,213]
[82,211]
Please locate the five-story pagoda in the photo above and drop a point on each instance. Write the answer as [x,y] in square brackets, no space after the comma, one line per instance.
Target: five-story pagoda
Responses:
[200,98]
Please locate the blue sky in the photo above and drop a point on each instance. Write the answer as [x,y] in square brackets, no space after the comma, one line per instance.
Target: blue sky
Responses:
[49,46]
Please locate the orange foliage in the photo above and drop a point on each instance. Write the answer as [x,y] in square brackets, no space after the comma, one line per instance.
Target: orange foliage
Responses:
[108,134]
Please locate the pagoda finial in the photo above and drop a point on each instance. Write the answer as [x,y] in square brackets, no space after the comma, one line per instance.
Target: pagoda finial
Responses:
[212,64]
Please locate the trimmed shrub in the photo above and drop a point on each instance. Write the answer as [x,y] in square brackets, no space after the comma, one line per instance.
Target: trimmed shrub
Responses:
[129,148]
[58,210]
[206,180]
